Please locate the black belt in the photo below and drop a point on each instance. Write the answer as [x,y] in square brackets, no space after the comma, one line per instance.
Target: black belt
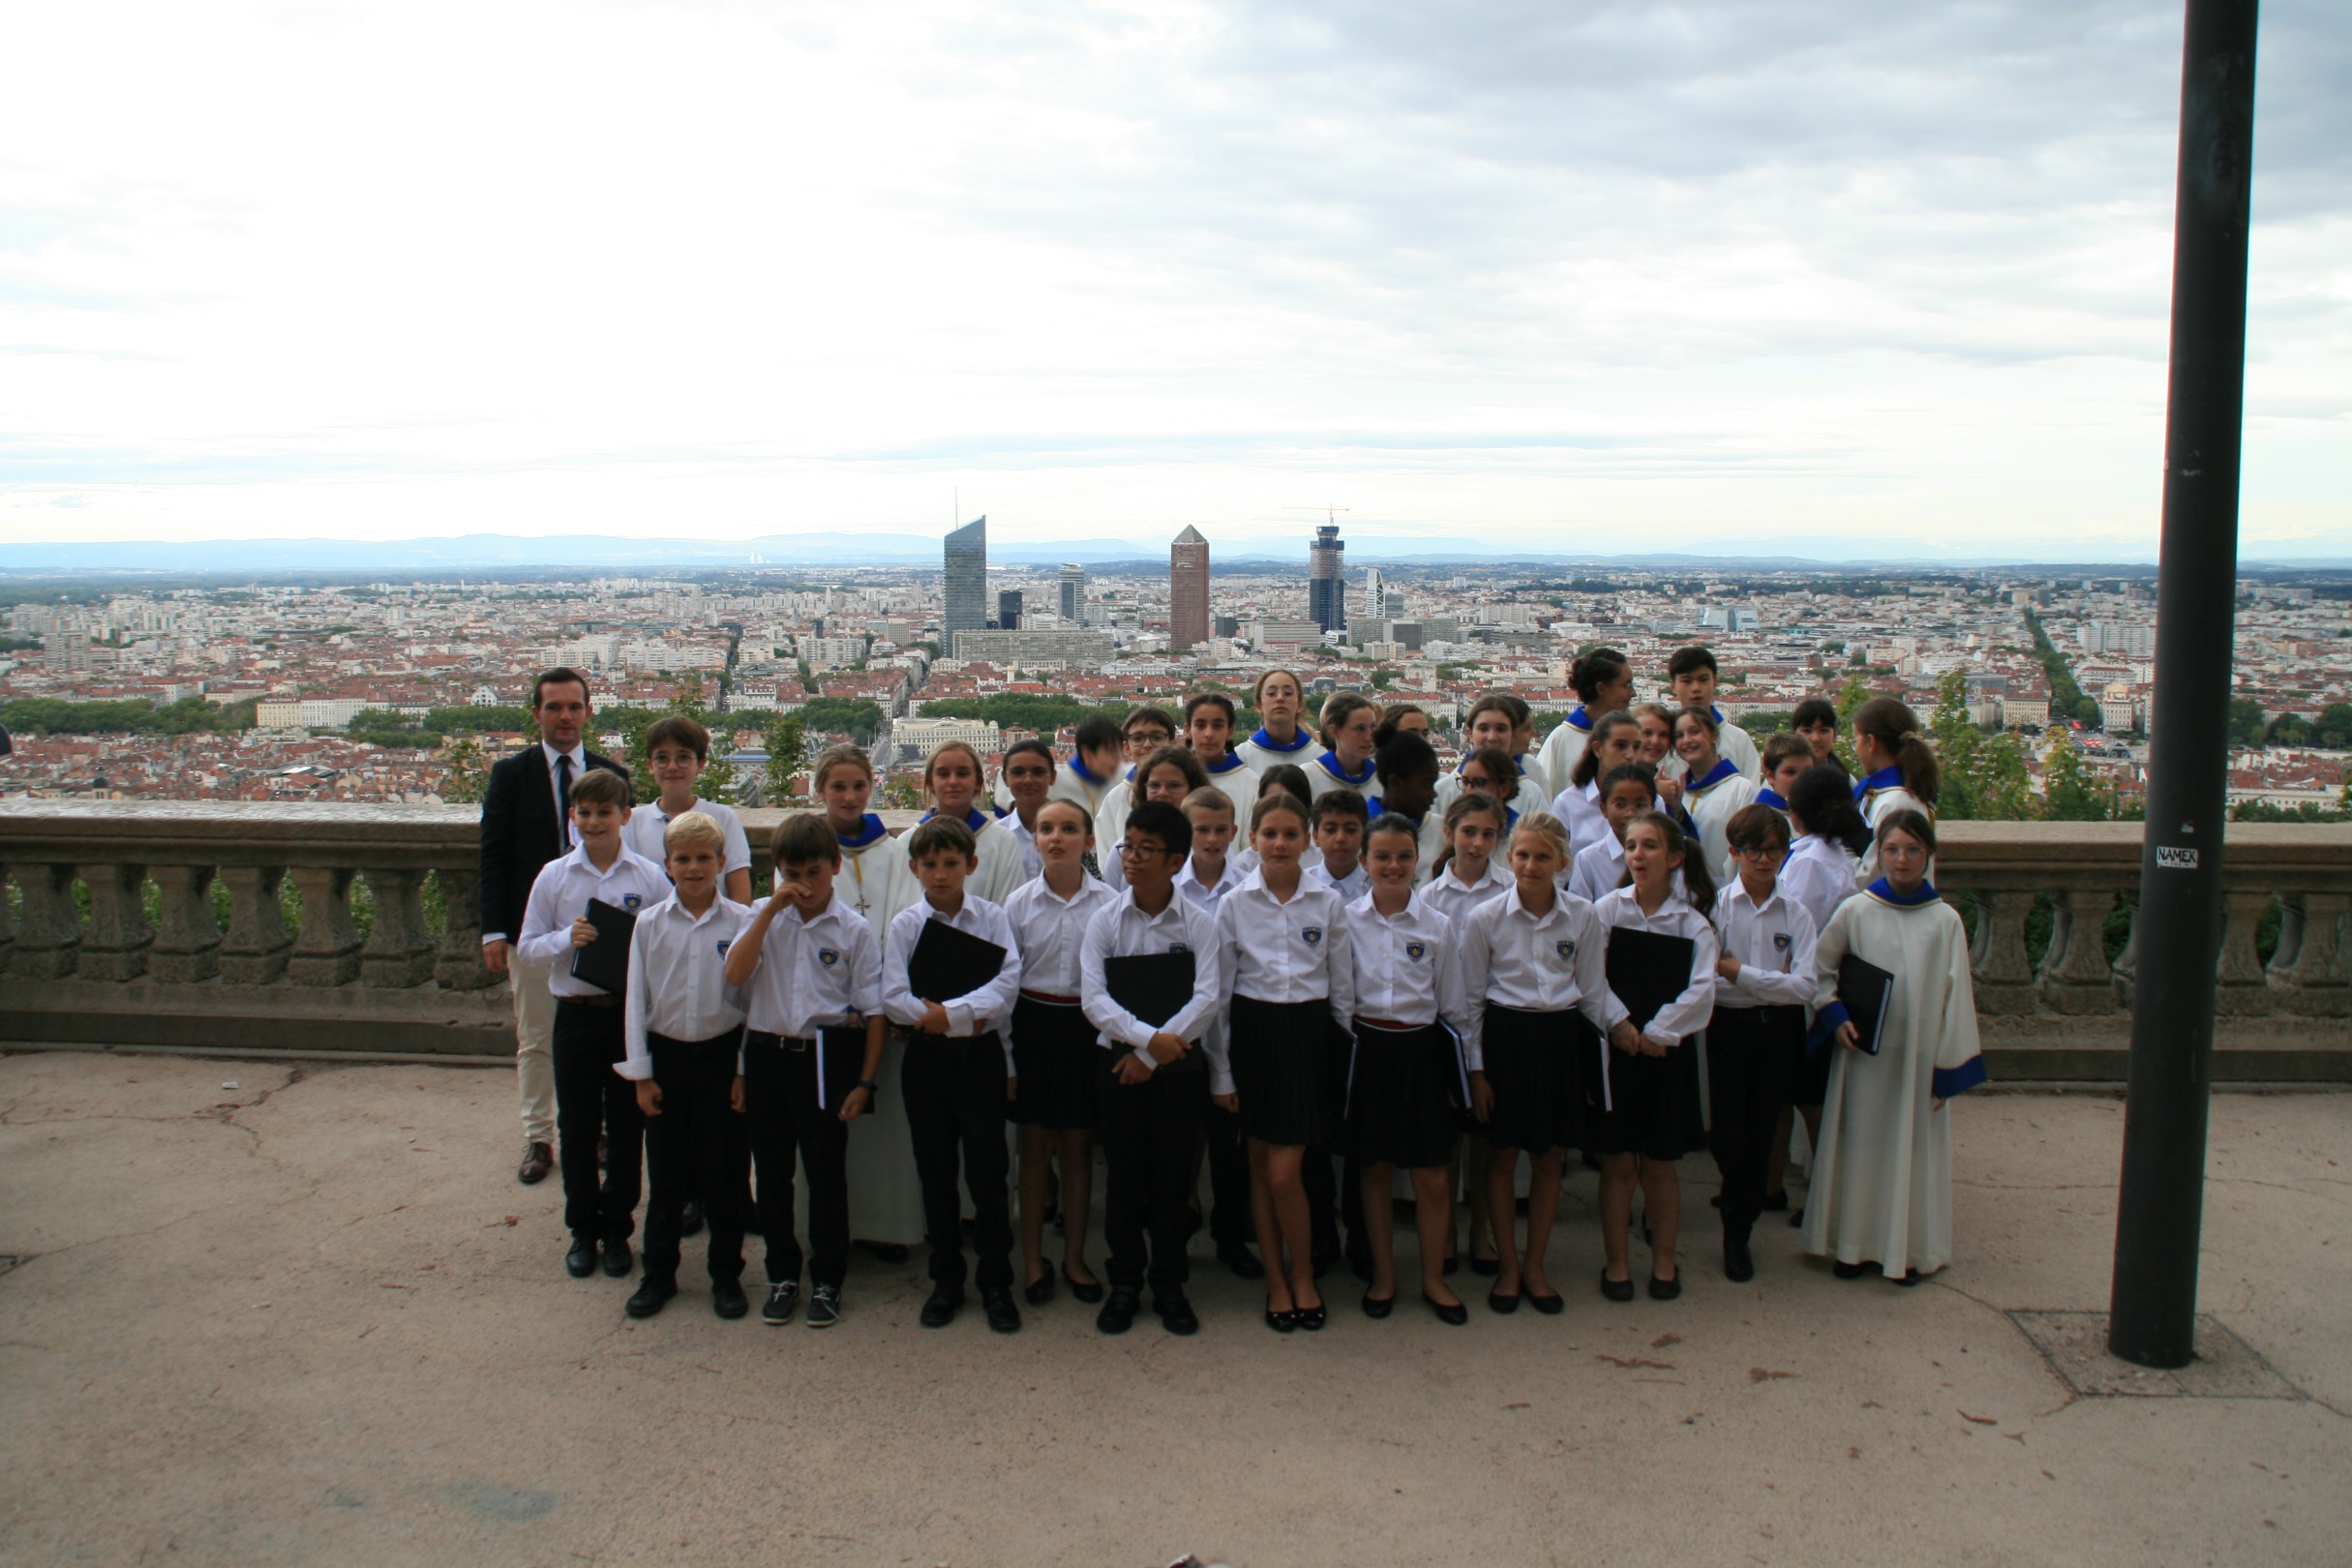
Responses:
[587,1000]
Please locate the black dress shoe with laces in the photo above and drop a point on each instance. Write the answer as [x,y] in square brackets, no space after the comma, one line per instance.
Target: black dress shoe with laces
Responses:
[941,1309]
[1738,1263]
[727,1298]
[653,1293]
[1004,1313]
[617,1258]
[1176,1313]
[1118,1314]
[581,1261]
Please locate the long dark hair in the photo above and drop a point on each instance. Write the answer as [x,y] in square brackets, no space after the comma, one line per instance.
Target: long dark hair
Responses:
[1696,877]
[1895,726]
[1823,799]
[1589,764]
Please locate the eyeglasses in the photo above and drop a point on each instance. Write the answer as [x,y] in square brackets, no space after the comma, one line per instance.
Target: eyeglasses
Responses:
[1141,852]
[1768,852]
[1147,738]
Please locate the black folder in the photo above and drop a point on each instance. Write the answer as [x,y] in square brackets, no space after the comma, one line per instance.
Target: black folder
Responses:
[1647,969]
[948,963]
[1863,986]
[604,963]
[1154,986]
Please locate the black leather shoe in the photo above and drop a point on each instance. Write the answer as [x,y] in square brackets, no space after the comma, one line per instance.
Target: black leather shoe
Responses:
[1039,1290]
[1087,1291]
[1548,1306]
[884,1251]
[1379,1306]
[1498,1302]
[1241,1260]
[690,1220]
[727,1298]
[1280,1322]
[1004,1313]
[1738,1263]
[581,1261]
[538,1159]
[1311,1318]
[1118,1314]
[1665,1289]
[1176,1313]
[652,1295]
[1908,1277]
[941,1309]
[1456,1315]
[1616,1289]
[617,1260]
[1849,1271]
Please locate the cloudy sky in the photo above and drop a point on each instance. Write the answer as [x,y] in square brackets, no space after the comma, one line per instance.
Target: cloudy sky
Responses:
[1815,278]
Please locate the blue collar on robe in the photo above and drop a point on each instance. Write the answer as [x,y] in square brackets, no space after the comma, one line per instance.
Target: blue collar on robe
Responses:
[1885,894]
[1886,779]
[1231,762]
[1724,768]
[1300,740]
[1329,762]
[1379,808]
[1768,796]
[1581,719]
[869,832]
[1077,766]
[976,820]
[1717,713]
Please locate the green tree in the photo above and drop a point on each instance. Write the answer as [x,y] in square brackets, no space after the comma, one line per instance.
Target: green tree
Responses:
[2004,784]
[1959,747]
[856,717]
[468,775]
[2068,792]
[2246,725]
[785,740]
[2335,727]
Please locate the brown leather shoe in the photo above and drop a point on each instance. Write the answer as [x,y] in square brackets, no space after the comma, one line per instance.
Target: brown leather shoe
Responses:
[537,1160]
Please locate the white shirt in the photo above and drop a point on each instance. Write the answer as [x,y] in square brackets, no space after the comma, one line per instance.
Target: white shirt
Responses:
[1773,942]
[1711,810]
[1239,781]
[819,972]
[1048,929]
[975,1012]
[1120,929]
[1687,1013]
[1600,870]
[1283,953]
[1351,886]
[561,896]
[678,978]
[1819,874]
[1453,898]
[647,823]
[1408,967]
[1579,806]
[1511,958]
[1031,863]
[554,786]
[1208,895]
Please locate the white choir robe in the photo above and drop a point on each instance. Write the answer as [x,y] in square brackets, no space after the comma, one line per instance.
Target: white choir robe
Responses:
[885,1197]
[1882,1186]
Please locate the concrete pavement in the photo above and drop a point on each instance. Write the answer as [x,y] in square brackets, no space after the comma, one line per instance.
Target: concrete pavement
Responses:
[313,1318]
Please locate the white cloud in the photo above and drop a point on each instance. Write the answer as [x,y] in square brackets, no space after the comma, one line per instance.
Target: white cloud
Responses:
[1802,278]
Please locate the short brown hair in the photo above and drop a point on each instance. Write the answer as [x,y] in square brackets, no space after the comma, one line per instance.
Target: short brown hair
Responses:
[560,675]
[676,729]
[1758,825]
[1211,799]
[942,834]
[804,838]
[833,757]
[600,785]
[1779,748]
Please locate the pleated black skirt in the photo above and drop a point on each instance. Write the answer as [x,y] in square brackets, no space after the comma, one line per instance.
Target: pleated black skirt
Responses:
[1402,1097]
[1655,1109]
[1056,1060]
[1281,1054]
[1536,1064]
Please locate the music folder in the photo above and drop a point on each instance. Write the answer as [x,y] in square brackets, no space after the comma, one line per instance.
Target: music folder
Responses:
[1863,986]
[1154,986]
[948,963]
[604,963]
[1647,969]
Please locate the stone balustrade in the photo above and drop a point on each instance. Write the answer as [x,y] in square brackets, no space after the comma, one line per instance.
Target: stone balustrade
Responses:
[240,928]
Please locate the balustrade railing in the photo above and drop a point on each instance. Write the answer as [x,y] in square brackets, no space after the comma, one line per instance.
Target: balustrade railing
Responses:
[326,928]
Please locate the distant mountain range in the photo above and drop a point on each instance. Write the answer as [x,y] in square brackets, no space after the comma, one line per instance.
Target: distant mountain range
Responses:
[506,553]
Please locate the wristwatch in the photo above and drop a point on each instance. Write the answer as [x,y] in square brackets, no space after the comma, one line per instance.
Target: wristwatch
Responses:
[869,1086]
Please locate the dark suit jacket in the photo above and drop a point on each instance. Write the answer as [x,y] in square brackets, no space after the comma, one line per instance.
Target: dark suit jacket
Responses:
[520,832]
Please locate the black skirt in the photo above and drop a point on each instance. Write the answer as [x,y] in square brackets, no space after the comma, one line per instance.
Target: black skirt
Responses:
[1403,1096]
[1655,1105]
[1537,1064]
[1056,1061]
[1280,1052]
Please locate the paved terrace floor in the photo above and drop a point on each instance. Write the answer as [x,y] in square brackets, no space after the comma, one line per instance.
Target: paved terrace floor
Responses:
[312,1319]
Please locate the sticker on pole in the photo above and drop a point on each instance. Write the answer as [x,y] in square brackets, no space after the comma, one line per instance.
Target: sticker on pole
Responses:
[2170,858]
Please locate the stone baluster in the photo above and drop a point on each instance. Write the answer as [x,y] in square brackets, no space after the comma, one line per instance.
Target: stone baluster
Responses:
[2244,989]
[398,951]
[254,950]
[2308,971]
[460,965]
[116,946]
[2005,978]
[326,944]
[2075,977]
[49,938]
[2127,962]
[8,923]
[188,937]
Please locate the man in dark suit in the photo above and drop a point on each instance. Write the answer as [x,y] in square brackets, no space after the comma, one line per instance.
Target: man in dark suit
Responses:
[525,825]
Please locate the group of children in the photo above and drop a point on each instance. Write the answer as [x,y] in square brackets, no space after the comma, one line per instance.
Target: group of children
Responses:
[1305,969]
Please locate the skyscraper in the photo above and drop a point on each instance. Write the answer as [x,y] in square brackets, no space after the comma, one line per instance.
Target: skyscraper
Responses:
[1326,587]
[1188,590]
[1375,594]
[1009,610]
[1073,592]
[967,580]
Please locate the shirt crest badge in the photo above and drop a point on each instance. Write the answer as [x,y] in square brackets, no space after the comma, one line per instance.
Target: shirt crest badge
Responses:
[1780,941]
[1312,936]
[828,956]
[1566,951]
[724,943]
[1415,950]
[631,900]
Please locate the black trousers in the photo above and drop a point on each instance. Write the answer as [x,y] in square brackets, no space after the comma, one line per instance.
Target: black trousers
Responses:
[1335,1197]
[1748,1055]
[686,1154]
[590,1098]
[955,1103]
[1147,1131]
[1230,1223]
[785,1121]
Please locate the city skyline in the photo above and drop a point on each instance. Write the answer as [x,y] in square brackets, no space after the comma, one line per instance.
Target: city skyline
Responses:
[1559,280]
